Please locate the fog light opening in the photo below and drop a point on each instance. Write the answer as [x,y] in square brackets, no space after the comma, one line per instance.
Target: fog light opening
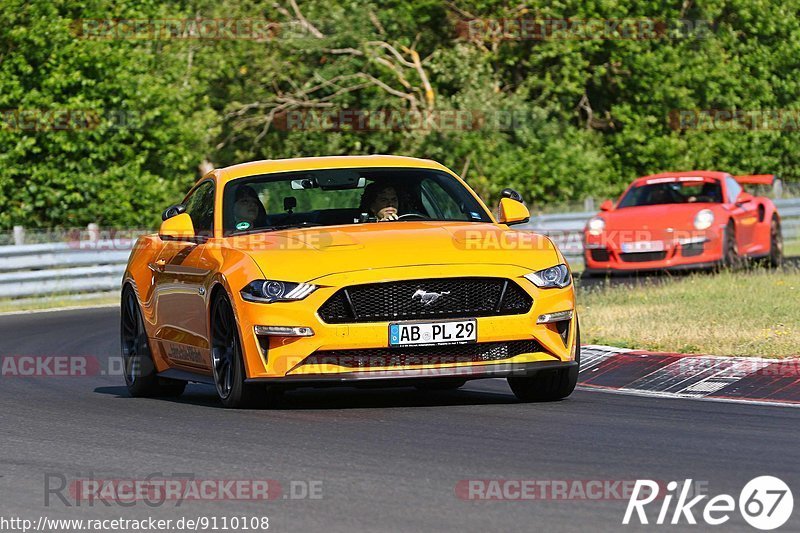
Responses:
[559,322]
[562,328]
[549,318]
[284,331]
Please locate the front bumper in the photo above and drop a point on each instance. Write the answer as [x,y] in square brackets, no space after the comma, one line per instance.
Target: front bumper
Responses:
[279,358]
[704,250]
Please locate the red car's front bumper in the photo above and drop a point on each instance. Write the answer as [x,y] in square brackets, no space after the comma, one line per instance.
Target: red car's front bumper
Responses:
[697,251]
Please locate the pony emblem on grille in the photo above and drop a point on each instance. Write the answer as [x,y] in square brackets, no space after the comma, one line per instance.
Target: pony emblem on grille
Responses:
[427,298]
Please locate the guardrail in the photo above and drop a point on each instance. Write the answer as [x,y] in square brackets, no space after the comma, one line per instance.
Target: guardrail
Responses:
[92,261]
[84,262]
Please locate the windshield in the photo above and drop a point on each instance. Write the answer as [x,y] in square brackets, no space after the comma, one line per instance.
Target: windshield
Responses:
[673,192]
[346,196]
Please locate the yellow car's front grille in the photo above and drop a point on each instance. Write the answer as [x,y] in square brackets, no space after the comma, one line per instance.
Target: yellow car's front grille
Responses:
[467,297]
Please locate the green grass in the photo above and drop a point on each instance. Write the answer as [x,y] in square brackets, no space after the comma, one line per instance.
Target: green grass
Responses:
[791,248]
[748,313]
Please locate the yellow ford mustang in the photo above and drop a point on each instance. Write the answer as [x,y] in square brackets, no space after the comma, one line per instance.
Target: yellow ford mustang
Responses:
[372,269]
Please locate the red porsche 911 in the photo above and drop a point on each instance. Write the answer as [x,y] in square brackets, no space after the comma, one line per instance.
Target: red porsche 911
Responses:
[684,220]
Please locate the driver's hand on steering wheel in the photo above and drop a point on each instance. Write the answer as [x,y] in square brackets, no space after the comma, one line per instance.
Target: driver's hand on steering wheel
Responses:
[387,214]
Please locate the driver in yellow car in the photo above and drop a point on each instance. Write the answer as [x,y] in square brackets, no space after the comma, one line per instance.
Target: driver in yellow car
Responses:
[380,201]
[248,210]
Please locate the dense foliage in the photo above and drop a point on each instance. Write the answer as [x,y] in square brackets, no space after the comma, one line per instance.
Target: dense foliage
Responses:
[560,118]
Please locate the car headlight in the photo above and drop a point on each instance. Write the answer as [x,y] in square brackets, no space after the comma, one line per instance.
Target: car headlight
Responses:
[596,226]
[268,291]
[704,219]
[550,278]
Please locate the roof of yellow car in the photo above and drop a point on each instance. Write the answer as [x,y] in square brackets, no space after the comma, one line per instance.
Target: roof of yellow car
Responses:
[254,168]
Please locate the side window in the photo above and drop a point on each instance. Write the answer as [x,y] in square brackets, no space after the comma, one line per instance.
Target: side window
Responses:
[200,206]
[733,188]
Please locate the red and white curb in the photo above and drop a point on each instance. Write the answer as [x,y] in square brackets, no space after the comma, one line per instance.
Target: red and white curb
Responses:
[704,377]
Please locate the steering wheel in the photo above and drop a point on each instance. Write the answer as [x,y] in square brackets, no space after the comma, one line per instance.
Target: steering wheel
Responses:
[413,215]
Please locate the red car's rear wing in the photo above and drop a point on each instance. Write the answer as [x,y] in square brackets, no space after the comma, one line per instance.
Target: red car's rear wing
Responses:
[756,179]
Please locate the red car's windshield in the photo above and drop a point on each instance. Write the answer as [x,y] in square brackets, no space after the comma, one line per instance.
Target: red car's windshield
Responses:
[673,192]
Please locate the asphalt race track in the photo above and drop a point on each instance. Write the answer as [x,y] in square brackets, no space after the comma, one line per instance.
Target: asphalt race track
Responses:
[387,460]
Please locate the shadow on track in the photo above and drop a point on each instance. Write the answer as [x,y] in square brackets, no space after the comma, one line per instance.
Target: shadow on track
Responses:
[337,398]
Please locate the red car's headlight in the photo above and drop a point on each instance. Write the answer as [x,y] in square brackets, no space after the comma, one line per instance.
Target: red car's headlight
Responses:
[596,226]
[704,219]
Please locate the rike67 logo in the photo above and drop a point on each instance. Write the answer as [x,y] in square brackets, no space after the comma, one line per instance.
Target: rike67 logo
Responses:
[765,503]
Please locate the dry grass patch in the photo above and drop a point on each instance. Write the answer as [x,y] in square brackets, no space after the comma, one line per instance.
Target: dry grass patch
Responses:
[754,312]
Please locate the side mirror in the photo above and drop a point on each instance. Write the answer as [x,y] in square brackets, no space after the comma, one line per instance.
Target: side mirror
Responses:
[513,212]
[173,210]
[511,193]
[177,228]
[743,198]
[608,205]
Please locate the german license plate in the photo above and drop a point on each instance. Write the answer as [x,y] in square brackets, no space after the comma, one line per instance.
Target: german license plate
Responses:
[642,246]
[416,333]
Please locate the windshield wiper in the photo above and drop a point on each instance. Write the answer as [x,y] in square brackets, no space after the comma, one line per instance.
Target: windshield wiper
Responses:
[295,225]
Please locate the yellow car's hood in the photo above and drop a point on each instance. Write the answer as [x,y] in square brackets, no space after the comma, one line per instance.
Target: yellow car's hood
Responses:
[311,253]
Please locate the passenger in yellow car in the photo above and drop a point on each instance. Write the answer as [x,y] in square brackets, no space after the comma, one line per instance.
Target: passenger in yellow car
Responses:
[248,210]
[380,201]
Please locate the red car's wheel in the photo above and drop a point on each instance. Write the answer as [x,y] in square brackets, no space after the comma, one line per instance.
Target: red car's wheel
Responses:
[730,250]
[775,243]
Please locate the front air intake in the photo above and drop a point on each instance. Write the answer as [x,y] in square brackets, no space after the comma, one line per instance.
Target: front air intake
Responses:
[426,299]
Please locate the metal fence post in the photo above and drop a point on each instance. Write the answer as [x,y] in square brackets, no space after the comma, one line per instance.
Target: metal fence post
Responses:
[588,204]
[777,187]
[93,232]
[19,235]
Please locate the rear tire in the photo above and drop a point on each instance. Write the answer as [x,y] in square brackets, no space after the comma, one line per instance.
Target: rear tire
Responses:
[549,385]
[139,370]
[227,359]
[775,243]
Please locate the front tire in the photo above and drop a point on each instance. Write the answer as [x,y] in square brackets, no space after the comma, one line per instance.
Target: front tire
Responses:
[549,385]
[775,243]
[730,250]
[227,358]
[139,370]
